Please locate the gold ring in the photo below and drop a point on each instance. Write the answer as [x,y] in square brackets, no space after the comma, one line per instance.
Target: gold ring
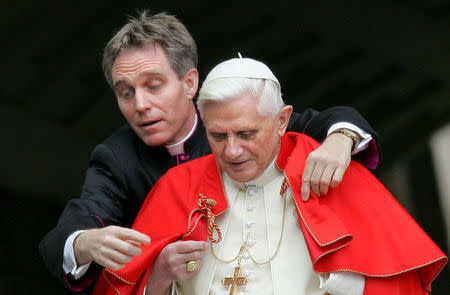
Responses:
[192,265]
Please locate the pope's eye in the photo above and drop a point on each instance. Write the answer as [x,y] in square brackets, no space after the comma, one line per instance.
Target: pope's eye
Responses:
[218,136]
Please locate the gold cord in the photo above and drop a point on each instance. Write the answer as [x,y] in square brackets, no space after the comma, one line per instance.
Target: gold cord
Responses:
[244,246]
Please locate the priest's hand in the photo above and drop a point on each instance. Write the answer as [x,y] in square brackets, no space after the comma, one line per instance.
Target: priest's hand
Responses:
[326,165]
[171,265]
[111,247]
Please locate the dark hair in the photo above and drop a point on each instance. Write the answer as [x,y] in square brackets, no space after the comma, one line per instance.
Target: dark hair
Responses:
[145,29]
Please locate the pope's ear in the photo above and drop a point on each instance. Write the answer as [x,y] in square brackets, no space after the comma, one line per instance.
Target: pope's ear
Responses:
[283,117]
[191,83]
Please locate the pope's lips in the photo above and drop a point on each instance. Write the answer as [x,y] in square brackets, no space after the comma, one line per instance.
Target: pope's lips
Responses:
[238,165]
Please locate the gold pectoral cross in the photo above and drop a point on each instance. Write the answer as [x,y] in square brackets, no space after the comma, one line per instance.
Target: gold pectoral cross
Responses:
[235,281]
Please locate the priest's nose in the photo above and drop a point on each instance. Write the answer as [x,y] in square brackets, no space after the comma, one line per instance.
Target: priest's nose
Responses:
[143,100]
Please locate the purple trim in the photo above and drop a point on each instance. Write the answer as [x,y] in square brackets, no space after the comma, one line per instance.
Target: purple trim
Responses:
[184,157]
[78,285]
[99,219]
[306,126]
[372,157]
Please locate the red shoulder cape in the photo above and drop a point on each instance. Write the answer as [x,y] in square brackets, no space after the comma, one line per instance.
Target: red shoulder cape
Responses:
[358,227]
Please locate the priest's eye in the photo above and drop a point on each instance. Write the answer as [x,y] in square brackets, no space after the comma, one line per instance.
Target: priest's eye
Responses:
[154,84]
[154,87]
[124,92]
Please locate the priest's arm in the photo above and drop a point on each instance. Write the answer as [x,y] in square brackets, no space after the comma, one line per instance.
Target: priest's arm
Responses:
[343,133]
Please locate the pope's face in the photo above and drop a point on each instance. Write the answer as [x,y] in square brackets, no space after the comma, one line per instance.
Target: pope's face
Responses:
[155,102]
[243,142]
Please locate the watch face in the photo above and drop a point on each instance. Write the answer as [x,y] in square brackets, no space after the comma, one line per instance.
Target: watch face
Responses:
[350,134]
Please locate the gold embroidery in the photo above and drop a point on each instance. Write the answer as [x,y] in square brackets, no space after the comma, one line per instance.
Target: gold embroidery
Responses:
[344,245]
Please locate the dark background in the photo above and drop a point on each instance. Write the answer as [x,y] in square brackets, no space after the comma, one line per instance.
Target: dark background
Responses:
[389,59]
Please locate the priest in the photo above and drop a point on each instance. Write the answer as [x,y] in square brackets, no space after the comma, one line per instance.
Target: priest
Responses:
[234,221]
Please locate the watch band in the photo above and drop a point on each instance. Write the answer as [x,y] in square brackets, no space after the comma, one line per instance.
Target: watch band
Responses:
[350,134]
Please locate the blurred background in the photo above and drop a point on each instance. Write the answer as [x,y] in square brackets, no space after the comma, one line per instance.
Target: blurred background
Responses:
[388,59]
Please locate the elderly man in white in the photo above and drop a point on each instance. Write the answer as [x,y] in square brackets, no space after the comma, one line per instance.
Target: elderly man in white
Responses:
[234,221]
[262,250]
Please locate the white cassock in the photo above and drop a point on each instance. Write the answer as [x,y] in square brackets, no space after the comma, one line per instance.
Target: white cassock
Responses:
[255,215]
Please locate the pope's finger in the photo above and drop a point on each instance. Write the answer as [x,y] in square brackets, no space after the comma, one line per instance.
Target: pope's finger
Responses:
[189,246]
[195,255]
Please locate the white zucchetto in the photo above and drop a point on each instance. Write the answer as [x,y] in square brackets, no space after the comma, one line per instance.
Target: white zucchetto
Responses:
[241,68]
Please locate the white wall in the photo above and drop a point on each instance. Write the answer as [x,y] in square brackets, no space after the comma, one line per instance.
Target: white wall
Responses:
[440,147]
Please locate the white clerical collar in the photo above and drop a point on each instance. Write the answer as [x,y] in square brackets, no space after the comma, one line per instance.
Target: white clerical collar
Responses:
[178,148]
[265,178]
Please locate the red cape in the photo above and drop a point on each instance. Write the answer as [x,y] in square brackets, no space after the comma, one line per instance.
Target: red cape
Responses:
[358,227]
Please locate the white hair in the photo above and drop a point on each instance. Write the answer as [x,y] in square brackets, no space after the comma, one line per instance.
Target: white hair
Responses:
[224,89]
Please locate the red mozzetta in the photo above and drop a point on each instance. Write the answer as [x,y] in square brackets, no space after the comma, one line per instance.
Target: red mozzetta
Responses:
[358,227]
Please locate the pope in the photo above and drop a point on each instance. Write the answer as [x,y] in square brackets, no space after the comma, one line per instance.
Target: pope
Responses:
[240,221]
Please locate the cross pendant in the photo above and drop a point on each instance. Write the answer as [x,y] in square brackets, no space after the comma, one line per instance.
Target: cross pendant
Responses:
[235,281]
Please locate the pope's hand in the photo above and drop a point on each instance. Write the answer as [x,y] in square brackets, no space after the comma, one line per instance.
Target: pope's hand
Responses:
[111,247]
[171,265]
[326,165]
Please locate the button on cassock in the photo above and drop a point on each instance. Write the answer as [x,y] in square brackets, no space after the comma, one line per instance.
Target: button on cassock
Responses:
[251,242]
[252,191]
[249,224]
[251,207]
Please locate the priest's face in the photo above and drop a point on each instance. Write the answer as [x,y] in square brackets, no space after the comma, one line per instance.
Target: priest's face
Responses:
[156,103]
[243,142]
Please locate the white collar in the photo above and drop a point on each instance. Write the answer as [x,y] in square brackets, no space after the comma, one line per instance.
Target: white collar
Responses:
[178,148]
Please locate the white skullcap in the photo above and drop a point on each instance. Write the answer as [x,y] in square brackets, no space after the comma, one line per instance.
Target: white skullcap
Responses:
[241,68]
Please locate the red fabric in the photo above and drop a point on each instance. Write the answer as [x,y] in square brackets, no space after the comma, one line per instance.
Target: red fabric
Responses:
[357,227]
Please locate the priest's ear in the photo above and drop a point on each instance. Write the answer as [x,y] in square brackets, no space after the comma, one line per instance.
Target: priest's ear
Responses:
[191,83]
[283,119]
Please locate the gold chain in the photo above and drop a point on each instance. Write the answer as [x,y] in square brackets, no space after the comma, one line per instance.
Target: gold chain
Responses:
[244,246]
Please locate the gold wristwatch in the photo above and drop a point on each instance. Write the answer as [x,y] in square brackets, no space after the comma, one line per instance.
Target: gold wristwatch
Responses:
[350,134]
